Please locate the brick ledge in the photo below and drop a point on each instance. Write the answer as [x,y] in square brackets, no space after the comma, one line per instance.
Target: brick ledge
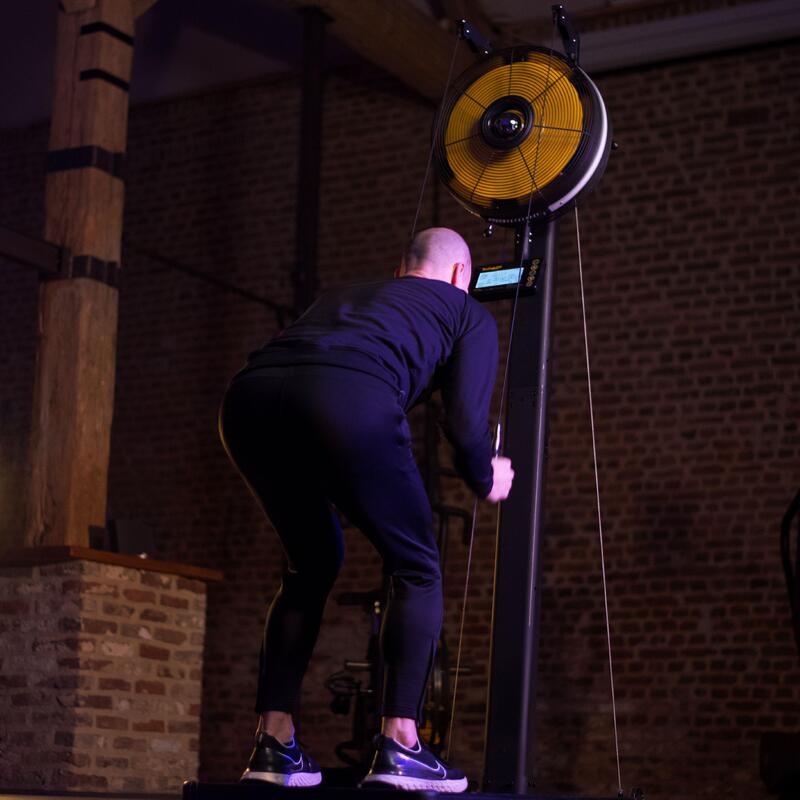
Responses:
[37,556]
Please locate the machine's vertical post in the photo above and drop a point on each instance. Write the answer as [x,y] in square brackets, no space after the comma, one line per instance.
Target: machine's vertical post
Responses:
[304,277]
[517,588]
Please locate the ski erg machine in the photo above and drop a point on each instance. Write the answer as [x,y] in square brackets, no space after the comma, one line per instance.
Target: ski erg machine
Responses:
[519,138]
[522,135]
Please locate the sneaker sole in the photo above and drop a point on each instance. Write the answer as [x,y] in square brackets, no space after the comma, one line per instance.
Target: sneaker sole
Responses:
[284,779]
[418,784]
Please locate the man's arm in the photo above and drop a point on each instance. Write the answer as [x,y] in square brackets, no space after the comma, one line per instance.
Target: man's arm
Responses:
[467,381]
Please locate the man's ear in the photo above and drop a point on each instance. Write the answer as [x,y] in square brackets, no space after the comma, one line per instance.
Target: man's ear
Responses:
[458,270]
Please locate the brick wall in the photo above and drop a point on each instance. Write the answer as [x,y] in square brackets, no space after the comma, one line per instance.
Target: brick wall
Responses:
[690,248]
[101,675]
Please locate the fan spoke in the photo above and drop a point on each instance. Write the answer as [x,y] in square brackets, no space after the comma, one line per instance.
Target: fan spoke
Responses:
[556,128]
[548,87]
[480,177]
[462,139]
[467,94]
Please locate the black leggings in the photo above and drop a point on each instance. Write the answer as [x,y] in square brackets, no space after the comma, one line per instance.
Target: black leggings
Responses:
[304,437]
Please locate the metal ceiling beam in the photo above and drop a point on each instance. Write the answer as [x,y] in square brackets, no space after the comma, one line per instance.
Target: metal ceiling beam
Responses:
[685,36]
[395,36]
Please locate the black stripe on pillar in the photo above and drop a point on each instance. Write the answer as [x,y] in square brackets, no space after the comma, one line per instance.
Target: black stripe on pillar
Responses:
[102,75]
[89,267]
[95,268]
[104,27]
[86,156]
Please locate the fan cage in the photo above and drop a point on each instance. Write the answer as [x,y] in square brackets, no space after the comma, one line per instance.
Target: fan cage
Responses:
[542,176]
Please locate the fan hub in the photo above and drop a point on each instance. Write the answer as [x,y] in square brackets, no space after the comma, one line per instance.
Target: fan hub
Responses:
[507,122]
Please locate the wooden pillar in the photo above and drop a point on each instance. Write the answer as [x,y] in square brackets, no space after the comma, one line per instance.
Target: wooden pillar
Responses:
[74,383]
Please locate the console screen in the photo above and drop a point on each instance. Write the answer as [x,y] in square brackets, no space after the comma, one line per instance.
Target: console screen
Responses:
[499,277]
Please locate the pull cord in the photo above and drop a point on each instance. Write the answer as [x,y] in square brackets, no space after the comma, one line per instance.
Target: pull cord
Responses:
[461,631]
[433,139]
[599,513]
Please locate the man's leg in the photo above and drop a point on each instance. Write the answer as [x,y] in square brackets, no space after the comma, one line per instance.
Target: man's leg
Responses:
[313,544]
[260,437]
[376,484]
[351,435]
[373,479]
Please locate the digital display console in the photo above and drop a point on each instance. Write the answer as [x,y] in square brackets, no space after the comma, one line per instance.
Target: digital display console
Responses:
[498,281]
[498,277]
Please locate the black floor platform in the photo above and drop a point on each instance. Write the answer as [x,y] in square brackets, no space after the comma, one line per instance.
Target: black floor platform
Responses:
[192,790]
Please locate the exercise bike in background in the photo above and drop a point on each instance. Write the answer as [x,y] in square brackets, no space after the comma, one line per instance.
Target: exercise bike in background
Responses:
[780,750]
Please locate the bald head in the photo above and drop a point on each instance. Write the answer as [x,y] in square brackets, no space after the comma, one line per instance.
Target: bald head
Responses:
[440,254]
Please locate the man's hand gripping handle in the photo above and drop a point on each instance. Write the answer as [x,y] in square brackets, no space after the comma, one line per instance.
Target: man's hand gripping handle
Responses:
[502,473]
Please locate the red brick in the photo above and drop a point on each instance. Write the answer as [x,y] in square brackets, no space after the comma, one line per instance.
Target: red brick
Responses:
[13,681]
[152,615]
[99,627]
[24,699]
[82,781]
[99,588]
[183,726]
[188,585]
[149,687]
[151,651]
[14,607]
[156,580]
[75,759]
[171,671]
[112,723]
[135,631]
[114,684]
[95,701]
[115,762]
[169,635]
[173,602]
[151,726]
[139,595]
[118,610]
[65,681]
[64,738]
[128,744]
[89,664]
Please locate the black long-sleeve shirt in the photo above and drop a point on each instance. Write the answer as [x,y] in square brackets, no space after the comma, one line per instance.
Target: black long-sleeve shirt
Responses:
[414,333]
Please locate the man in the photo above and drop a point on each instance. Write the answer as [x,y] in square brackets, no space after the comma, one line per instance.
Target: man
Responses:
[318,418]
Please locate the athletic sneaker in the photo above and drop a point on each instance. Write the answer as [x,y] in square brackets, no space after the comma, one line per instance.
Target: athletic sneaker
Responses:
[284,764]
[412,768]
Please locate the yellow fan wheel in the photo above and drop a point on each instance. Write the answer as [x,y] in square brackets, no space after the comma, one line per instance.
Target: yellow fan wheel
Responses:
[521,134]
